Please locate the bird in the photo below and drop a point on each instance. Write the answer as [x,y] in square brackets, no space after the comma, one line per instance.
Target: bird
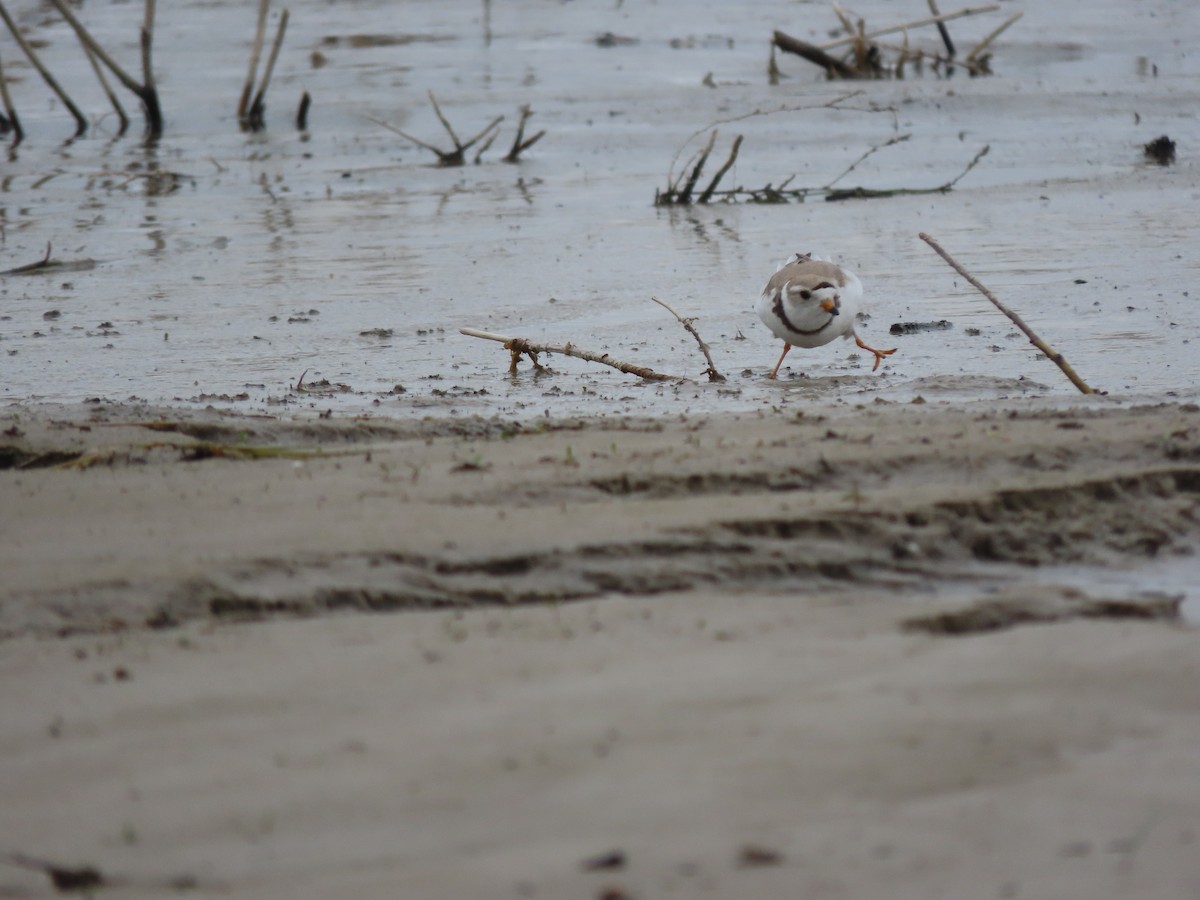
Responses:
[809,301]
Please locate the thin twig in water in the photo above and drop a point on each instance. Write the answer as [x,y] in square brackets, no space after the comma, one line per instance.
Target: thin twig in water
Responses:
[519,144]
[986,42]
[42,263]
[860,193]
[81,122]
[899,139]
[260,36]
[1054,356]
[108,91]
[10,111]
[716,179]
[941,27]
[519,347]
[258,107]
[446,158]
[711,371]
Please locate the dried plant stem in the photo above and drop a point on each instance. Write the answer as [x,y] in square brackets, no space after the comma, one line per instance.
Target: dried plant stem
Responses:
[716,179]
[519,144]
[108,91]
[260,36]
[10,111]
[1054,356]
[519,347]
[932,20]
[258,106]
[146,91]
[898,139]
[685,196]
[711,371]
[81,122]
[987,41]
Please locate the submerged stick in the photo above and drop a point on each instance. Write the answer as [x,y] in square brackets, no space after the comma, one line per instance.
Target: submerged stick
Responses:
[81,122]
[519,144]
[1054,356]
[42,263]
[521,346]
[711,371]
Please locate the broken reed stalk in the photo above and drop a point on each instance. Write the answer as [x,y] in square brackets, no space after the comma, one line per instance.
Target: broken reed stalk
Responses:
[81,122]
[892,29]
[716,179]
[1054,356]
[519,144]
[145,91]
[446,158]
[260,36]
[10,111]
[987,41]
[711,371]
[108,91]
[685,196]
[302,112]
[258,108]
[519,347]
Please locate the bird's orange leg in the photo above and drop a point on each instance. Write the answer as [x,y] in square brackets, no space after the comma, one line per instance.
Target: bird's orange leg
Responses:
[786,348]
[879,354]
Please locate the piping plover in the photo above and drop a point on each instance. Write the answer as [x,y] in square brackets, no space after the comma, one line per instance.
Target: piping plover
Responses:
[808,302]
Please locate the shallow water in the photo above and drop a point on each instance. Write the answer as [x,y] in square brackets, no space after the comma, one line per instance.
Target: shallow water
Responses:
[256,258]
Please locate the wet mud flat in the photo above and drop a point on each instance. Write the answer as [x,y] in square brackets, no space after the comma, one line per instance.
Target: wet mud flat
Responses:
[728,653]
[304,594]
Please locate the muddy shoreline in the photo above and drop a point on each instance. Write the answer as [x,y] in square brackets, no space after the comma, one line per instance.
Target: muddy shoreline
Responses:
[855,650]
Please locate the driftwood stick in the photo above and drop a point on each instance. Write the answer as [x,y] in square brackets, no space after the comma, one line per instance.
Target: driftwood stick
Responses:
[986,42]
[814,54]
[260,36]
[81,122]
[716,179]
[521,346]
[1054,356]
[10,111]
[408,137]
[932,20]
[302,111]
[711,371]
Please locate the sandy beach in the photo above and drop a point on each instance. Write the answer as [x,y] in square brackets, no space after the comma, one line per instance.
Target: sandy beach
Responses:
[898,650]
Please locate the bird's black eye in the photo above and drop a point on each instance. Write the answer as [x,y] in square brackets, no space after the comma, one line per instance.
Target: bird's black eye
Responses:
[804,295]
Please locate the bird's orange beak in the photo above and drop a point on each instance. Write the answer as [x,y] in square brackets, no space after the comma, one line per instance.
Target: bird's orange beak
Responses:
[830,306]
